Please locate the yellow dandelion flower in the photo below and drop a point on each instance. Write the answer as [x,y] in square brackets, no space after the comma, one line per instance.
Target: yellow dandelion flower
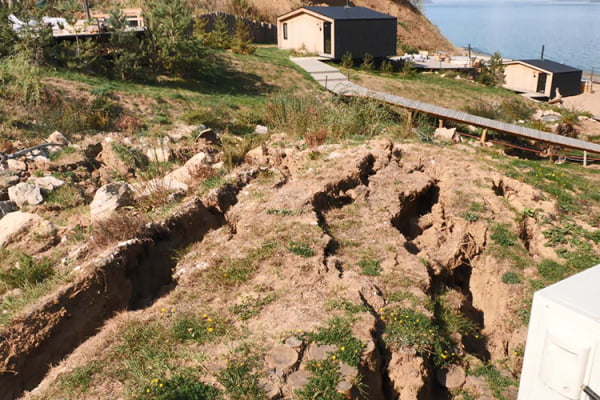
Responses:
[318,365]
[210,329]
[333,357]
[163,309]
[147,390]
[342,348]
[210,320]
[161,385]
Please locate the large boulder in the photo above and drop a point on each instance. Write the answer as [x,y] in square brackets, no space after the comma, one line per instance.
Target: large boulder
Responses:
[109,198]
[25,194]
[17,224]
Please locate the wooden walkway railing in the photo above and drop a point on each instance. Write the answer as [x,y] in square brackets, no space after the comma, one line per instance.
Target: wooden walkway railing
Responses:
[350,89]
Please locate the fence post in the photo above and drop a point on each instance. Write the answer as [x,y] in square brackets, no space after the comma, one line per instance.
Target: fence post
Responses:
[484,135]
[585,158]
[440,123]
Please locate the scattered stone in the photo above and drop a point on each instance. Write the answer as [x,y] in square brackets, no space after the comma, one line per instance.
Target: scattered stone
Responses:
[261,130]
[7,207]
[281,359]
[447,134]
[209,136]
[48,183]
[550,118]
[293,342]
[8,180]
[319,352]
[347,371]
[25,194]
[16,165]
[58,138]
[452,377]
[17,224]
[345,388]
[161,153]
[109,198]
[272,390]
[298,378]
[184,131]
[373,296]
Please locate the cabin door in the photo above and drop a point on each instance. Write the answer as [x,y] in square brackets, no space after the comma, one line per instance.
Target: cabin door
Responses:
[541,84]
[327,37]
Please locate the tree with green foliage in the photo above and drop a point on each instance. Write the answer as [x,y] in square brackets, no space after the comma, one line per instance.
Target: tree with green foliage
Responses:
[492,74]
[242,43]
[170,45]
[219,37]
[126,47]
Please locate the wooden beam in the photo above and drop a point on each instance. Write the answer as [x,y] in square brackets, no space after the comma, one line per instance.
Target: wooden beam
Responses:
[484,135]
[440,123]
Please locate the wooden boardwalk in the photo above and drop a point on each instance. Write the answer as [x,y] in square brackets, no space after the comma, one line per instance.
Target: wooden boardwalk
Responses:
[344,87]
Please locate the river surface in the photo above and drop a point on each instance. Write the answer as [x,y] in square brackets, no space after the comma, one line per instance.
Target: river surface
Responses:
[570,32]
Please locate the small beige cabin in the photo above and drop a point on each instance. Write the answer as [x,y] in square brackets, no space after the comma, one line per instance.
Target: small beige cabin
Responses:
[334,31]
[543,77]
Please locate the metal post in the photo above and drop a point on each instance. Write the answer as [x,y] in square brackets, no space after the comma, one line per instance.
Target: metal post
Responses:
[470,62]
[585,158]
[87,9]
[542,56]
[592,81]
[325,82]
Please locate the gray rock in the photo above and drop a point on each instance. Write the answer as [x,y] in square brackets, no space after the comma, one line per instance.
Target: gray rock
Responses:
[48,183]
[7,207]
[261,130]
[452,377]
[58,138]
[160,153]
[16,165]
[109,198]
[25,194]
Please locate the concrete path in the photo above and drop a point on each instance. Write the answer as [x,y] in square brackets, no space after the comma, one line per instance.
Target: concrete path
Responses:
[323,73]
[333,80]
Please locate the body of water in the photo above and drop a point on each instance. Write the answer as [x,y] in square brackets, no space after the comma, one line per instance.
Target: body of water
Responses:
[570,32]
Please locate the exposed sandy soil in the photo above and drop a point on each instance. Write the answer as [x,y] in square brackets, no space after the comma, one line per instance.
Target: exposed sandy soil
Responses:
[585,102]
[400,204]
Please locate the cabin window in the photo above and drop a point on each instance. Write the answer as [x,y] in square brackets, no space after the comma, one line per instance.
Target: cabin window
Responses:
[285,32]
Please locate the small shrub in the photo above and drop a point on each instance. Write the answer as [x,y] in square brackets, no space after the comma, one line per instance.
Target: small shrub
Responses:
[408,68]
[368,63]
[130,156]
[386,67]
[511,278]
[241,42]
[316,138]
[370,267]
[66,196]
[347,60]
[117,228]
[470,216]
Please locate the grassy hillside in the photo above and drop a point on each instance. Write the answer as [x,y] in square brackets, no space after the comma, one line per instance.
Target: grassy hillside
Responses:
[342,253]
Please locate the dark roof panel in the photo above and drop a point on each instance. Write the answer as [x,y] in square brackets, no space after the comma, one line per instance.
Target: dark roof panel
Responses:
[339,13]
[551,66]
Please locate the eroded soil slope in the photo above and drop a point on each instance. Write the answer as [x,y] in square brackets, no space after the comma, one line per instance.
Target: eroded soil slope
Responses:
[376,270]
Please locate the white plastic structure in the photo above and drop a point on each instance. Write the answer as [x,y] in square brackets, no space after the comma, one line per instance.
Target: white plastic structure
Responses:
[563,342]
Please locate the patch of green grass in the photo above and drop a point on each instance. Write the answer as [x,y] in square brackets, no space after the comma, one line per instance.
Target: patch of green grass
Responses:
[24,271]
[495,380]
[552,271]
[191,327]
[346,305]
[503,236]
[64,151]
[322,384]
[250,306]
[301,249]
[470,216]
[338,332]
[511,278]
[370,267]
[282,212]
[240,377]
[79,379]
[65,196]
[183,386]
[231,272]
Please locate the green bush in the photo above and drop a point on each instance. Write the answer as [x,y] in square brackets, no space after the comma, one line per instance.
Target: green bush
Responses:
[368,63]
[386,67]
[347,60]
